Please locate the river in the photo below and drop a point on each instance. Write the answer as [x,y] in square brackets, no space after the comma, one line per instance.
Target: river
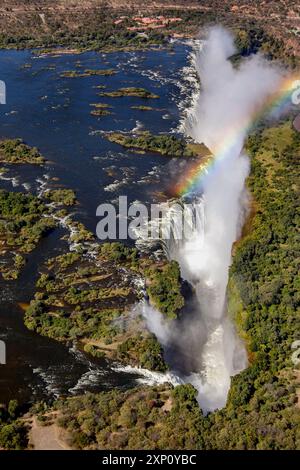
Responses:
[52,113]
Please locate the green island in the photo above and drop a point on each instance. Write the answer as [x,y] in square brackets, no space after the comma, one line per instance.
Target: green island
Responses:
[89,300]
[100,112]
[100,105]
[88,73]
[143,108]
[101,109]
[62,197]
[16,151]
[130,91]
[167,145]
[24,220]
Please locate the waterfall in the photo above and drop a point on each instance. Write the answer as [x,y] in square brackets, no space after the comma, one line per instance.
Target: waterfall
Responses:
[222,353]
[202,346]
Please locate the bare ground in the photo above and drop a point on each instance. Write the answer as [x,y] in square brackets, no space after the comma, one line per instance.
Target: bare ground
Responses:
[50,437]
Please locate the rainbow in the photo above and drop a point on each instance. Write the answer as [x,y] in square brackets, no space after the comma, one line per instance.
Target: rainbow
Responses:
[193,176]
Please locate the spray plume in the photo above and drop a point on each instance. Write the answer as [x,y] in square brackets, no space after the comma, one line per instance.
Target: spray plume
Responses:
[203,347]
[232,101]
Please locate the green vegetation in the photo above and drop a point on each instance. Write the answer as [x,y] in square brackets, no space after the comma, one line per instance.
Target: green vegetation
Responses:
[77,299]
[265,266]
[13,432]
[163,417]
[90,300]
[80,233]
[24,220]
[93,350]
[262,411]
[129,91]
[264,292]
[88,73]
[118,252]
[255,39]
[101,109]
[100,112]
[142,108]
[260,414]
[168,145]
[164,288]
[80,26]
[100,35]
[143,351]
[15,151]
[144,418]
[100,105]
[62,197]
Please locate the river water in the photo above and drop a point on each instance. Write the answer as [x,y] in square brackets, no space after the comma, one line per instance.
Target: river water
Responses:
[53,114]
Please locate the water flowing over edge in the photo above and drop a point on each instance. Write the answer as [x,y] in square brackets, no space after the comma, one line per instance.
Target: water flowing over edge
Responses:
[203,347]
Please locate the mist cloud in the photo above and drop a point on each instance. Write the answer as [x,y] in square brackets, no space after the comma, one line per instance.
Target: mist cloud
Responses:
[203,346]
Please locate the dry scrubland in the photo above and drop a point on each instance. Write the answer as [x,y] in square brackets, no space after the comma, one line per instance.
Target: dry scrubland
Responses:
[101,24]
